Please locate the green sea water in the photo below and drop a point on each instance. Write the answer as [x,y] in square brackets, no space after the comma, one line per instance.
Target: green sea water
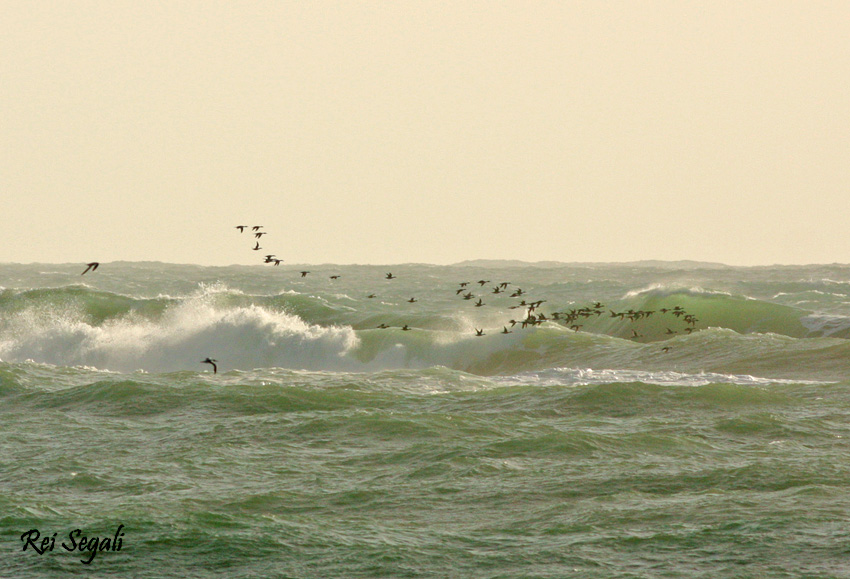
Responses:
[325,446]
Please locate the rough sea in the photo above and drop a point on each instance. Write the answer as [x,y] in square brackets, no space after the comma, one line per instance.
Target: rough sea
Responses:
[637,420]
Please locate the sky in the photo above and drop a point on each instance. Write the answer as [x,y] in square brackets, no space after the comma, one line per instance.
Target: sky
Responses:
[425,132]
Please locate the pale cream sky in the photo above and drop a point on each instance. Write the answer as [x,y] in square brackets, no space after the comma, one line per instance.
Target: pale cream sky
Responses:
[379,132]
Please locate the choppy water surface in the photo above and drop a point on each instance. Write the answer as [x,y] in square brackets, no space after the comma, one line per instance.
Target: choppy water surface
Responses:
[597,441]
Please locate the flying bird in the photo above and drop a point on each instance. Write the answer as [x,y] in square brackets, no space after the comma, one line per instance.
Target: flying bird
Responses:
[91,266]
[304,273]
[241,228]
[212,363]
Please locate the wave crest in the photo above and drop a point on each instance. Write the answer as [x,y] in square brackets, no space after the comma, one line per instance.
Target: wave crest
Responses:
[182,334]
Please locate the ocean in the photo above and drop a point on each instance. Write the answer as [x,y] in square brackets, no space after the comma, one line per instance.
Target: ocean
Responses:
[636,420]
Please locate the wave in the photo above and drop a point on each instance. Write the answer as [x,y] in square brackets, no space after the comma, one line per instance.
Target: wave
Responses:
[715,309]
[77,326]
[445,391]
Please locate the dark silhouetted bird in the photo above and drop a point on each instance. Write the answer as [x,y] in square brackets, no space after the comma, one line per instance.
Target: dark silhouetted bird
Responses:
[212,363]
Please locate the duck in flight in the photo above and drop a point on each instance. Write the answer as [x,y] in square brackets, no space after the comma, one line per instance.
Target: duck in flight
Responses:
[91,266]
[390,276]
[241,228]
[304,273]
[212,363]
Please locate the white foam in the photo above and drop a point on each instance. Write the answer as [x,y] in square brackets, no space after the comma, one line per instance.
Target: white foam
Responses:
[588,376]
[826,325]
[664,290]
[239,338]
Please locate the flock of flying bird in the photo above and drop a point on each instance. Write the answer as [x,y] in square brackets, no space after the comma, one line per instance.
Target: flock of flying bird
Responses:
[568,318]
[533,316]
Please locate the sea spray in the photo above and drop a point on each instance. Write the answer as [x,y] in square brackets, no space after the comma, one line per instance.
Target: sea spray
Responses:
[249,336]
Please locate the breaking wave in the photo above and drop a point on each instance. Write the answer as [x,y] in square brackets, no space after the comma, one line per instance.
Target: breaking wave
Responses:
[80,326]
